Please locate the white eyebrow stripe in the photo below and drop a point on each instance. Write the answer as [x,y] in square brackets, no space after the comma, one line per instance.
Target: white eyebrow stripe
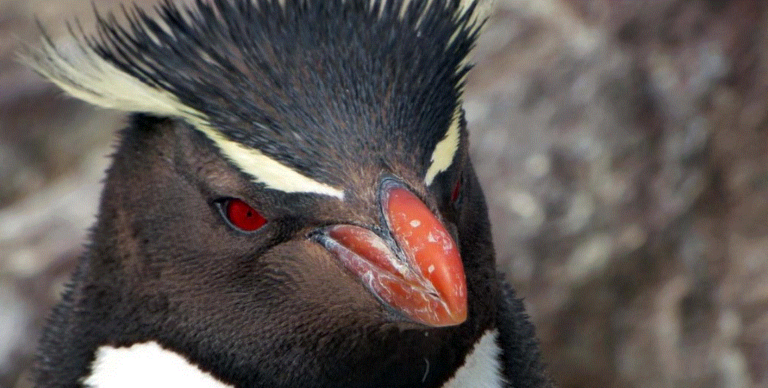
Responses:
[263,169]
[87,76]
[445,150]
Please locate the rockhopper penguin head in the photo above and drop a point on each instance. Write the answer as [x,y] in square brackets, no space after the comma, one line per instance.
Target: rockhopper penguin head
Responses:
[291,205]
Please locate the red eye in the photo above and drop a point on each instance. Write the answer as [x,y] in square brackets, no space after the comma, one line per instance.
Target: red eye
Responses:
[456,191]
[243,216]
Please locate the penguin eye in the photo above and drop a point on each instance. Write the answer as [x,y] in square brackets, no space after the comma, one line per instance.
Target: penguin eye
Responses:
[241,215]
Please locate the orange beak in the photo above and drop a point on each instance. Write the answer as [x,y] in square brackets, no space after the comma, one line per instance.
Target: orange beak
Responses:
[415,269]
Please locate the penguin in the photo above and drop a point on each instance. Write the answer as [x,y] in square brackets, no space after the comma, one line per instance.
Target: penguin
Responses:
[292,203]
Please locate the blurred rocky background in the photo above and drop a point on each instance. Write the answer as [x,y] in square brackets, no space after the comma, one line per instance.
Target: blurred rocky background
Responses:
[623,145]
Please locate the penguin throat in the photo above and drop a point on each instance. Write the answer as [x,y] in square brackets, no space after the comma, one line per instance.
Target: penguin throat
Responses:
[149,365]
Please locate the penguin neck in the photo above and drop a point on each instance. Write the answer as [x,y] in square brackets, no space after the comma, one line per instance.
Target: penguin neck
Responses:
[148,364]
[482,367]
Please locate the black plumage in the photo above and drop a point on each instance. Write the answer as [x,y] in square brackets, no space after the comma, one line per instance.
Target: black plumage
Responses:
[309,68]
[349,94]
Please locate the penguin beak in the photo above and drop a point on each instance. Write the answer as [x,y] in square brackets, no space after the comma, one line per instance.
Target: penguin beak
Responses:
[415,269]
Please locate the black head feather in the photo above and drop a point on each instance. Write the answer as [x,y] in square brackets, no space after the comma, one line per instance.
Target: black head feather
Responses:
[278,77]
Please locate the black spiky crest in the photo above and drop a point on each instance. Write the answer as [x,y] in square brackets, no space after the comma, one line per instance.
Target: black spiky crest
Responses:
[303,81]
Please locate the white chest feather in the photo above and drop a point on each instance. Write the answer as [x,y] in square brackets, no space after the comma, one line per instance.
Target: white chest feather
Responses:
[482,367]
[148,365]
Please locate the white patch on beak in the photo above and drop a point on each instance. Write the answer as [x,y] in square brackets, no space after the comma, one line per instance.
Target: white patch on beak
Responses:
[85,75]
[445,150]
[146,365]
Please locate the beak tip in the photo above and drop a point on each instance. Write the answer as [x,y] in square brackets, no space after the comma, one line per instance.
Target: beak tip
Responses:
[458,314]
[448,320]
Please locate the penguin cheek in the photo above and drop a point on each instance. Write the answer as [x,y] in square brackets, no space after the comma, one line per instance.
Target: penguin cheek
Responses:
[302,282]
[295,291]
